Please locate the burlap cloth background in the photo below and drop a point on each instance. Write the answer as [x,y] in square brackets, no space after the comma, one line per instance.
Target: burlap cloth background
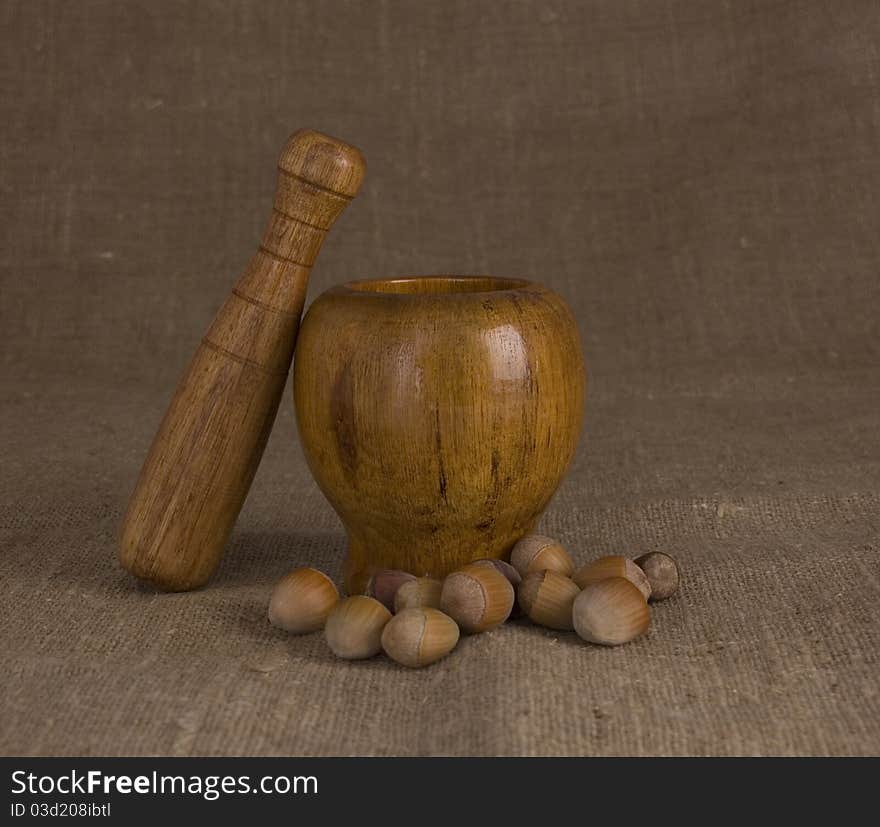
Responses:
[698,179]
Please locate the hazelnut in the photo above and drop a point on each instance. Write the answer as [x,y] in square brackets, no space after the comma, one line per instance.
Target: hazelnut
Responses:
[354,627]
[510,573]
[477,597]
[662,573]
[418,637]
[610,612]
[384,583]
[547,598]
[418,593]
[535,552]
[302,600]
[612,566]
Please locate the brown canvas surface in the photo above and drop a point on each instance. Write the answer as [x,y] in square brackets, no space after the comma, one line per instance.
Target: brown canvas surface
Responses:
[699,180]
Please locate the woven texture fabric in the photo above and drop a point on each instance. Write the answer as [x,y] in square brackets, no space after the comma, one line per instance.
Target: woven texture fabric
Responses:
[698,180]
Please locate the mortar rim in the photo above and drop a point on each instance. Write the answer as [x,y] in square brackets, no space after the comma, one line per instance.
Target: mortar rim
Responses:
[473,285]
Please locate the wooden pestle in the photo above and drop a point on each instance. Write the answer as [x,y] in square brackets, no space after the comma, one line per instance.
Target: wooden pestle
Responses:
[204,456]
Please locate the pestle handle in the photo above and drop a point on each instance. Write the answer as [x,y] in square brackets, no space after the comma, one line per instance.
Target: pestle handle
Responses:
[210,442]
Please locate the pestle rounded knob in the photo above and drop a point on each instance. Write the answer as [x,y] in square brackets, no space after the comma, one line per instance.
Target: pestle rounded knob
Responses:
[323,161]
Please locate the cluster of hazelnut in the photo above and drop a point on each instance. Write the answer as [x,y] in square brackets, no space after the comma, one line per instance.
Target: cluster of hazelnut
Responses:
[417,620]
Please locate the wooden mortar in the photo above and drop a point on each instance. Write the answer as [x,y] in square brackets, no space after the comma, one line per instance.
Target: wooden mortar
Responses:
[437,414]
